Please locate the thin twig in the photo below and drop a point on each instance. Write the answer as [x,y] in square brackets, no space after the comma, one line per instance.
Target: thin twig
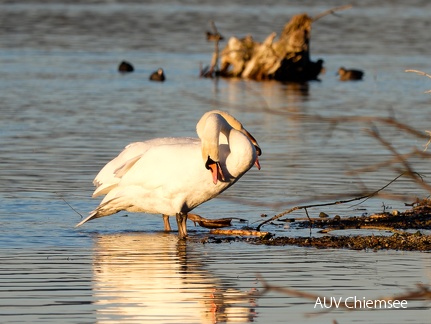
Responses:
[421,73]
[367,196]
[69,205]
[429,141]
[216,37]
[331,11]
[389,162]
[408,170]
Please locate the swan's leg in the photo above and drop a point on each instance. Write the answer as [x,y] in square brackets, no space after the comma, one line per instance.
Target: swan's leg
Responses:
[166,223]
[182,225]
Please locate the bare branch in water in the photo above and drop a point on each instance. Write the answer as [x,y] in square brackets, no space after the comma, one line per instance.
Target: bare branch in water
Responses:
[408,171]
[429,141]
[331,11]
[70,205]
[421,73]
[363,197]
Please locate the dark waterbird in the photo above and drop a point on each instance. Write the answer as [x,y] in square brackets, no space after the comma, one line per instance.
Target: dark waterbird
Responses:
[158,75]
[348,75]
[125,67]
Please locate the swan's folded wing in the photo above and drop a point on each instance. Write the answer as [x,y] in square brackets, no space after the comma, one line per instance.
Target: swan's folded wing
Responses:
[126,167]
[112,179]
[107,178]
[111,174]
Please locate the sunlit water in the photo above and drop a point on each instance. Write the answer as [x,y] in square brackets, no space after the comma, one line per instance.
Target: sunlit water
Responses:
[65,112]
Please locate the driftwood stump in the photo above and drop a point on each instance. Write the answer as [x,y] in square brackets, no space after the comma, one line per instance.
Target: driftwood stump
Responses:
[287,59]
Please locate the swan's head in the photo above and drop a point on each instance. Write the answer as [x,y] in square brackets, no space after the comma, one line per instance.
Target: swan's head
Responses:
[217,121]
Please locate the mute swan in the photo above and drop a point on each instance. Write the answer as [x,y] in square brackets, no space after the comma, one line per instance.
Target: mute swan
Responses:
[172,176]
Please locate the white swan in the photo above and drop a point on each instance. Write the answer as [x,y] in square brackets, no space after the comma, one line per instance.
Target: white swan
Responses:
[172,176]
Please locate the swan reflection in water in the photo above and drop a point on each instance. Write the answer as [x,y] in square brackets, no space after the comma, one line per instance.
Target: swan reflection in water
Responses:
[155,277]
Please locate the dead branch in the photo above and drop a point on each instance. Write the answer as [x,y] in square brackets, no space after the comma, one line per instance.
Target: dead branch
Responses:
[61,197]
[429,141]
[421,73]
[363,197]
[366,119]
[216,37]
[390,161]
[239,232]
[212,223]
[408,170]
[331,11]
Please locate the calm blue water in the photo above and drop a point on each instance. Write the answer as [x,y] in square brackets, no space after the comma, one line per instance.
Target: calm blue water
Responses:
[66,111]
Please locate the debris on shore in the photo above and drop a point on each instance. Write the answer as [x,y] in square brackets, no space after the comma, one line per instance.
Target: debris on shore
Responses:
[407,231]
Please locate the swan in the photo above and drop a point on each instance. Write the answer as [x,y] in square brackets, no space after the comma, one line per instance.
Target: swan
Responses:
[172,176]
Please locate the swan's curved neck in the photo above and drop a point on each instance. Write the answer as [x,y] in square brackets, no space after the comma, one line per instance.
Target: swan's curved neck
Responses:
[209,131]
[214,130]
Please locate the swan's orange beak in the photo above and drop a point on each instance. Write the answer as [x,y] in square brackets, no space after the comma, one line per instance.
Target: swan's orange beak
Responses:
[215,169]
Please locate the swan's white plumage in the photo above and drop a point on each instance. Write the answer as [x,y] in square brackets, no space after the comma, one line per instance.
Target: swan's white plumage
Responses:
[112,172]
[171,175]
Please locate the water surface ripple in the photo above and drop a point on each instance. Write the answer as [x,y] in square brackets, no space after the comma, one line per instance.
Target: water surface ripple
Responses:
[66,111]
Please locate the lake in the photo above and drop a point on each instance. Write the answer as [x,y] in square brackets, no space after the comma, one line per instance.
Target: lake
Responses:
[66,111]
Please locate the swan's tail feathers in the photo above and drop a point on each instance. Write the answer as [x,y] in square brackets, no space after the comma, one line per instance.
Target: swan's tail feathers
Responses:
[93,215]
[102,210]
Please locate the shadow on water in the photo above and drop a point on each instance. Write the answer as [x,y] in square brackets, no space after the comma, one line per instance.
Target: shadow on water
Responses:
[148,277]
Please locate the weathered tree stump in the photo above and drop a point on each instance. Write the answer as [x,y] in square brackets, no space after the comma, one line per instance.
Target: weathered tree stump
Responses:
[287,59]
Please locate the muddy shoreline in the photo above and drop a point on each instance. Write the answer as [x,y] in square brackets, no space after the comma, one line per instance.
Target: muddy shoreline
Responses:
[407,232]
